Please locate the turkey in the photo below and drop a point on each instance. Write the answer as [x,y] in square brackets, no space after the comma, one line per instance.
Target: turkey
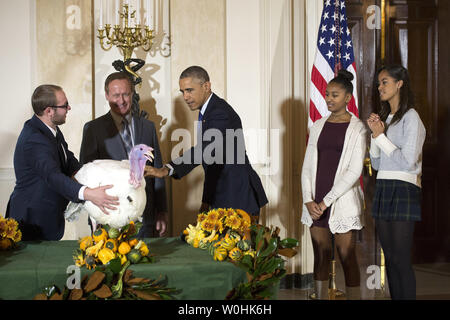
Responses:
[127,176]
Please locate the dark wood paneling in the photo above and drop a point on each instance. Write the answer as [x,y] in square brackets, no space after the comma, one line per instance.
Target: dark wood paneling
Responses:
[415,39]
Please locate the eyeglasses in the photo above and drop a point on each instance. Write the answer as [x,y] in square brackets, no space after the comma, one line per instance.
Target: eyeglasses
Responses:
[64,106]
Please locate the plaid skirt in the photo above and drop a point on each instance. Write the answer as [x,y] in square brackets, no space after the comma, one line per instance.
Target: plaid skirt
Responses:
[396,200]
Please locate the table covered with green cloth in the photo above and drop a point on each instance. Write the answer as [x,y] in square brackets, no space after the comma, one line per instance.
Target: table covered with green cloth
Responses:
[34,265]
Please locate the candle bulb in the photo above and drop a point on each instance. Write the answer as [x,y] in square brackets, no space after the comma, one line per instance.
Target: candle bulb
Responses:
[108,17]
[149,13]
[138,11]
[129,13]
[101,15]
[117,12]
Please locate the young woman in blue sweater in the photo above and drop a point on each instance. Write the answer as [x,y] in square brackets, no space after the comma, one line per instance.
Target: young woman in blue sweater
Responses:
[397,139]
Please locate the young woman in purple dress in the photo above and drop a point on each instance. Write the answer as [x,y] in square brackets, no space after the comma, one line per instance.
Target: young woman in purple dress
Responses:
[332,194]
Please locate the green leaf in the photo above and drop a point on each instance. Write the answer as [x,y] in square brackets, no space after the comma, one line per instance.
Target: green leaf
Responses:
[289,243]
[246,263]
[259,236]
[271,247]
[114,265]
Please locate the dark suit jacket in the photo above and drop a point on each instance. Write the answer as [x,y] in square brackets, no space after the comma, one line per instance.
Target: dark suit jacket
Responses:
[101,140]
[230,182]
[43,184]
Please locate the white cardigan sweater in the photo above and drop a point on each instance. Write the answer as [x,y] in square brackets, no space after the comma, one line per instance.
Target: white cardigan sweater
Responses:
[345,197]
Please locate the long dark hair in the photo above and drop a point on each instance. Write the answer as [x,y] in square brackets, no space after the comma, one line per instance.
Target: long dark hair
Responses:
[406,95]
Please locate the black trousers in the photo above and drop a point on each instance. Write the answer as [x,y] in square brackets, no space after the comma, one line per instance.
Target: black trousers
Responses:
[396,238]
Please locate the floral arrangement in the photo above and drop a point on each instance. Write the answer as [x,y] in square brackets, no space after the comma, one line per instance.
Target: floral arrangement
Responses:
[223,232]
[10,234]
[229,235]
[111,245]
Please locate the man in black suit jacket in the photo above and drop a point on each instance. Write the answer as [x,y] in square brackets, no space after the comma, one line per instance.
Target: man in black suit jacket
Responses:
[43,166]
[230,181]
[103,138]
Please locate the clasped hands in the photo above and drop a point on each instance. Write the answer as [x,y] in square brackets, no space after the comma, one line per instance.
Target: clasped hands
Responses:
[315,210]
[375,125]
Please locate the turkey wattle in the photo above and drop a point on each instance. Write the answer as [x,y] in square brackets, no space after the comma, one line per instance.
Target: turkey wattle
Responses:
[127,178]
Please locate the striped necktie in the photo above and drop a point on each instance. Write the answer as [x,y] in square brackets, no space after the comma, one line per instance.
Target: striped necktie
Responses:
[126,136]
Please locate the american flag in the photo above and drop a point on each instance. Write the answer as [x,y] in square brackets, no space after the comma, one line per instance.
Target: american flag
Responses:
[334,52]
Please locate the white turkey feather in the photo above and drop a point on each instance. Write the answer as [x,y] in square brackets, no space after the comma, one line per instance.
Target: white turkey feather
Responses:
[117,173]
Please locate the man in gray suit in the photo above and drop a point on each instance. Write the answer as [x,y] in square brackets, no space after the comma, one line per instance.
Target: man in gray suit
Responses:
[112,136]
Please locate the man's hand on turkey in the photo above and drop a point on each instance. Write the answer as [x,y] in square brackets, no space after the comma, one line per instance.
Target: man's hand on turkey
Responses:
[156,172]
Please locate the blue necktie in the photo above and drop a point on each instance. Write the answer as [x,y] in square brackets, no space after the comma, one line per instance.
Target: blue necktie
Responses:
[126,136]
[199,126]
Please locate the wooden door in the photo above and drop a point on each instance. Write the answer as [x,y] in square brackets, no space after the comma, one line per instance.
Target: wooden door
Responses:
[417,38]
[366,46]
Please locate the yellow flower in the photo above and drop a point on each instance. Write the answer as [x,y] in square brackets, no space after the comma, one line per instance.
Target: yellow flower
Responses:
[208,226]
[244,216]
[213,216]
[12,223]
[229,212]
[201,217]
[18,236]
[233,222]
[218,225]
[3,226]
[221,212]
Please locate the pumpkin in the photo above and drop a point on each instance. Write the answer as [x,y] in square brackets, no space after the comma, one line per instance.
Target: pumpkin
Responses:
[113,233]
[124,248]
[228,243]
[234,235]
[93,251]
[211,247]
[133,242]
[100,234]
[203,244]
[235,254]
[111,244]
[142,247]
[244,245]
[220,254]
[123,258]
[134,256]
[105,255]
[86,242]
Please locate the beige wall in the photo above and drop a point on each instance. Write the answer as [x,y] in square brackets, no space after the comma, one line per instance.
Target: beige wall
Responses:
[198,38]
[258,53]
[16,81]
